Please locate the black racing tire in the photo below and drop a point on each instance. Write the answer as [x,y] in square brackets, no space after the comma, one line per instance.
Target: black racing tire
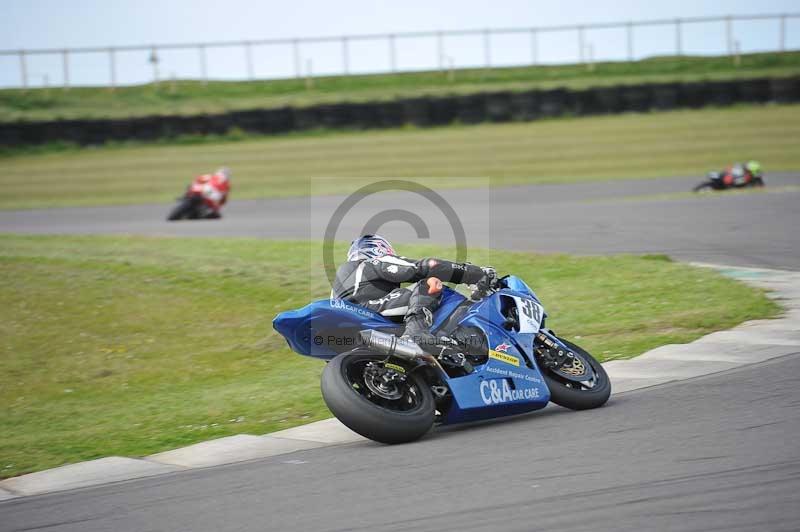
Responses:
[182,209]
[579,398]
[371,420]
[702,187]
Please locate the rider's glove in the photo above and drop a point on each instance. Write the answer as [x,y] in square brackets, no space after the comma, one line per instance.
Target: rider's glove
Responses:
[489,279]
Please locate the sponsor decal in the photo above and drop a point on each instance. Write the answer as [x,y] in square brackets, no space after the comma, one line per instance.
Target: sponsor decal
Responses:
[395,367]
[504,357]
[392,268]
[503,348]
[499,391]
[356,309]
[507,373]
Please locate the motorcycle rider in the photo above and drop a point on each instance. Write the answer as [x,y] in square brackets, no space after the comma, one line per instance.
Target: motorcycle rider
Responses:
[373,274]
[754,167]
[215,188]
[739,176]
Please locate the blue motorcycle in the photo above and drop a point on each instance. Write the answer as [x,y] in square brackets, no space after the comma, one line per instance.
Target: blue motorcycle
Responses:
[494,357]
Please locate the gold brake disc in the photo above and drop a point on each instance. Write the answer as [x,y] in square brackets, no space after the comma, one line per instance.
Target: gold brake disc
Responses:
[576,369]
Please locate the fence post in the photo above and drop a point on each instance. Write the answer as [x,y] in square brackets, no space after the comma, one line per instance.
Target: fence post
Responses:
[534,50]
[629,35]
[23,69]
[248,57]
[782,32]
[440,50]
[112,67]
[678,38]
[203,67]
[487,47]
[392,56]
[309,74]
[345,56]
[296,52]
[154,62]
[581,45]
[65,67]
[729,34]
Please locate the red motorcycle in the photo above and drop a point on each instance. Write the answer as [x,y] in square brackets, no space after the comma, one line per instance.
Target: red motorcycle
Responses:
[204,198]
[192,206]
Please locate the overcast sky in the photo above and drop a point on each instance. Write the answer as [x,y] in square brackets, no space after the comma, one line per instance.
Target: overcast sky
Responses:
[33,24]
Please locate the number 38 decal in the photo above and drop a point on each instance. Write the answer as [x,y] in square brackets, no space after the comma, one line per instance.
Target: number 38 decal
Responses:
[530,315]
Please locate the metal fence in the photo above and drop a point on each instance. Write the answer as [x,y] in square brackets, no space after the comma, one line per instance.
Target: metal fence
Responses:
[584,49]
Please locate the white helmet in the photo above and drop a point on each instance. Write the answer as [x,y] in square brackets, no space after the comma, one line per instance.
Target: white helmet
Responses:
[225,172]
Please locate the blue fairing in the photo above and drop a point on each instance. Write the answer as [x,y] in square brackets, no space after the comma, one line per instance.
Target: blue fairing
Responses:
[308,329]
[508,383]
[516,284]
[327,327]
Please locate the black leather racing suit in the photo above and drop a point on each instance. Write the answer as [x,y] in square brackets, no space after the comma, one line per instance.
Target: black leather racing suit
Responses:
[375,284]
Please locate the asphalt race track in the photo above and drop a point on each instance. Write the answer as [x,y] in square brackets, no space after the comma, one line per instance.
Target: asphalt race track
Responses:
[714,453]
[717,452]
[753,228]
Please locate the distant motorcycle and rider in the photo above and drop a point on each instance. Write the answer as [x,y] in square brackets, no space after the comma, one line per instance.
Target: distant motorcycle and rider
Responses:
[204,197]
[737,175]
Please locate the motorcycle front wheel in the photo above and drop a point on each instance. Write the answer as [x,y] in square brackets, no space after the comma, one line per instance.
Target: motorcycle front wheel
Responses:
[578,395]
[703,187]
[381,401]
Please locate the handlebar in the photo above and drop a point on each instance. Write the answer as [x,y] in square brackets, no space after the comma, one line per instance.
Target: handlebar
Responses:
[483,290]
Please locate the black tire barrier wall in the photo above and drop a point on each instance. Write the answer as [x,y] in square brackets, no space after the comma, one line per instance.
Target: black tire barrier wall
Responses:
[423,112]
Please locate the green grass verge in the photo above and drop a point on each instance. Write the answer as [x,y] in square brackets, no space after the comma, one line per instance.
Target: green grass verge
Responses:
[191,97]
[130,346]
[563,150]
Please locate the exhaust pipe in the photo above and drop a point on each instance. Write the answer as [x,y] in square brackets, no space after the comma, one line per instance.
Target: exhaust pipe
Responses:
[391,345]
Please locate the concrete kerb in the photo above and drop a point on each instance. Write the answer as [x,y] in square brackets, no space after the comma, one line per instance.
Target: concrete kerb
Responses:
[232,449]
[328,431]
[84,474]
[748,343]
[751,342]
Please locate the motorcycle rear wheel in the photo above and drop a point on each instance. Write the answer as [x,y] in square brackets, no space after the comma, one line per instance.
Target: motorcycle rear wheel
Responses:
[576,395]
[401,413]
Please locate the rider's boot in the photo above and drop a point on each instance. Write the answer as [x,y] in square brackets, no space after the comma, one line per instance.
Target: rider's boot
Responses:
[418,331]
[418,323]
[419,317]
